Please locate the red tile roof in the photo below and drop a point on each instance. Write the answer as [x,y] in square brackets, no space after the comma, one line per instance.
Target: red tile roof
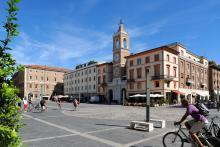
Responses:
[47,68]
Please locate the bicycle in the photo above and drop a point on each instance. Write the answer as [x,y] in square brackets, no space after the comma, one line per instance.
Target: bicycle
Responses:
[35,108]
[174,139]
[212,129]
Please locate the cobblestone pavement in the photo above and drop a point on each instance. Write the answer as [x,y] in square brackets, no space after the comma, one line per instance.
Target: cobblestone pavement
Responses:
[95,125]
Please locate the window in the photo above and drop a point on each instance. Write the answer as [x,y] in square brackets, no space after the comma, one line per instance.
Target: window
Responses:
[131,62]
[181,63]
[82,72]
[182,75]
[104,79]
[147,60]
[99,80]
[90,71]
[55,79]
[47,86]
[30,77]
[157,70]
[89,79]
[99,71]
[131,74]
[188,66]
[42,78]
[168,84]
[139,85]
[156,57]
[168,70]
[138,61]
[131,86]
[35,85]
[168,57]
[94,78]
[182,52]
[94,87]
[124,43]
[139,72]
[174,60]
[117,43]
[174,71]
[94,69]
[30,86]
[157,84]
[103,70]
[85,79]
[47,79]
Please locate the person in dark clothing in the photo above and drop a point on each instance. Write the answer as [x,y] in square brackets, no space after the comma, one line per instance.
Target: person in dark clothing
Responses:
[43,105]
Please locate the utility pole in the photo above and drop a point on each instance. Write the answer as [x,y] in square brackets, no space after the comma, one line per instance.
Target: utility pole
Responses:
[147,95]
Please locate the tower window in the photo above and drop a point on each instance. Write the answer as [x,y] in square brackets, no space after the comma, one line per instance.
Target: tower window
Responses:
[124,43]
[117,43]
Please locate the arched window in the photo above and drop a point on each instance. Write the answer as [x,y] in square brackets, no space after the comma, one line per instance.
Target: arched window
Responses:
[116,43]
[124,43]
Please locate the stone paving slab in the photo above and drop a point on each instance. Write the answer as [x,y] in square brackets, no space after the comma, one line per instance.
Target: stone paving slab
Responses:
[34,129]
[72,141]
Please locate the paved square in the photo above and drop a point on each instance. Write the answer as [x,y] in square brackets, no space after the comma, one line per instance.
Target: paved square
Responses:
[95,125]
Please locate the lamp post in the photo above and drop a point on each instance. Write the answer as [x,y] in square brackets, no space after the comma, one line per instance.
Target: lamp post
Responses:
[147,95]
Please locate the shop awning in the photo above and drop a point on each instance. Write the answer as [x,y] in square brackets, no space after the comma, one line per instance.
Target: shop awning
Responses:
[178,92]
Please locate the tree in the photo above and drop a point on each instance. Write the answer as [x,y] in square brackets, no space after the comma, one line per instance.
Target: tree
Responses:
[10,117]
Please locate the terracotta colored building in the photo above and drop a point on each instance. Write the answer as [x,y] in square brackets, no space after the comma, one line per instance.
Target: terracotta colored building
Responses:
[162,64]
[37,81]
[104,77]
[193,73]
[214,81]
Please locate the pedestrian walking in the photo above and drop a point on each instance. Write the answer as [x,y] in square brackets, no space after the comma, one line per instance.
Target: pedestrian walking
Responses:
[218,105]
[25,103]
[58,101]
[76,104]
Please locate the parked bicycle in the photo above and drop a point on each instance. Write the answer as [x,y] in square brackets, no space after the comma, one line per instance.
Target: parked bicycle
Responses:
[213,129]
[34,108]
[179,137]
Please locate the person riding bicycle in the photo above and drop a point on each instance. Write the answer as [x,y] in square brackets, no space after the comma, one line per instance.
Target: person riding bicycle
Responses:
[43,104]
[196,124]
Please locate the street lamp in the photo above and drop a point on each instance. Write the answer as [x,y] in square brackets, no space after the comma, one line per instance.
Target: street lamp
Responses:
[147,95]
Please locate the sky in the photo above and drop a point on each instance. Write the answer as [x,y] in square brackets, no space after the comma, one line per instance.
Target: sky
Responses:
[65,33]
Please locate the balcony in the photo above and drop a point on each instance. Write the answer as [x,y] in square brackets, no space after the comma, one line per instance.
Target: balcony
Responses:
[130,80]
[189,82]
[166,78]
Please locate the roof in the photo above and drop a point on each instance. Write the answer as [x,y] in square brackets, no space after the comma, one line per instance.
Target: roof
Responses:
[154,50]
[106,63]
[58,69]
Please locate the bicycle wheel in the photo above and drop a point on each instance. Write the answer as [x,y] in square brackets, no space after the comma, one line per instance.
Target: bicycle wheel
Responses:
[172,139]
[216,129]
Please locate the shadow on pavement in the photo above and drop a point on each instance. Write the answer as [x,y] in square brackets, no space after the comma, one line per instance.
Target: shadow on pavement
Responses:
[112,125]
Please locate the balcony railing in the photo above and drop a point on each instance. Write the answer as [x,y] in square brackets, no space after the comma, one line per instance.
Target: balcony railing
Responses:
[163,77]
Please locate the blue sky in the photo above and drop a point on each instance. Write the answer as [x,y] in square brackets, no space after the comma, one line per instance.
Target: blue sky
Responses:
[69,32]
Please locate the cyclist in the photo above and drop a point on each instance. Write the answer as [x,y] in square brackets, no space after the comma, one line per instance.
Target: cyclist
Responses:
[43,105]
[194,125]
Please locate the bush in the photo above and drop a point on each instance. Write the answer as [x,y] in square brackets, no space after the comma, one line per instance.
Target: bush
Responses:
[10,116]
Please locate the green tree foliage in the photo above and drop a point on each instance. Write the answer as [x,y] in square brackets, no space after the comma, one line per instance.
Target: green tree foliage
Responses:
[10,116]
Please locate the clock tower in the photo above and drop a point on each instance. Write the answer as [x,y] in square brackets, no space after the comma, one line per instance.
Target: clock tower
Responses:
[121,49]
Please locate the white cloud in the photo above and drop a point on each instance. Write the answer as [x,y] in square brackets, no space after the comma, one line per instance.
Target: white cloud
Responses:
[65,45]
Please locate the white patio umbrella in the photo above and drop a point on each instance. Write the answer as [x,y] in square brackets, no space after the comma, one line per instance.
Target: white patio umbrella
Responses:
[138,95]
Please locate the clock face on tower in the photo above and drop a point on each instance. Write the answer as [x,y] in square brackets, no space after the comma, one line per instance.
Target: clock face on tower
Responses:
[116,57]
